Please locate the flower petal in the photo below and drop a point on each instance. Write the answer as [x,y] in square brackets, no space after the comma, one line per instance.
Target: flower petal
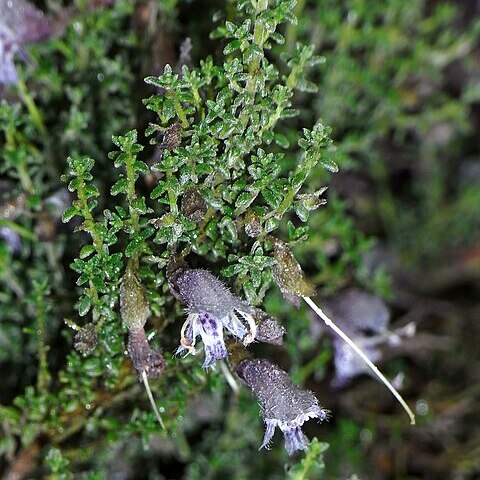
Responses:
[8,72]
[211,331]
[234,325]
[188,335]
[270,425]
[294,438]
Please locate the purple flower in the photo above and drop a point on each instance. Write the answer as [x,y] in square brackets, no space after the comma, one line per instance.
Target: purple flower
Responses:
[365,318]
[20,23]
[283,404]
[348,364]
[12,239]
[211,307]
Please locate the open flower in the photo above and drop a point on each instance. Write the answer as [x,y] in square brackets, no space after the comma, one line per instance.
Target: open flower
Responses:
[283,404]
[365,318]
[211,307]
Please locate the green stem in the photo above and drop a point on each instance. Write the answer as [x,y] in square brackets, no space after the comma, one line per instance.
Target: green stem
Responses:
[22,231]
[180,112]
[292,29]
[305,168]
[89,223]
[131,194]
[90,227]
[292,77]
[198,103]
[43,377]
[35,114]
[254,64]
[259,40]
[25,178]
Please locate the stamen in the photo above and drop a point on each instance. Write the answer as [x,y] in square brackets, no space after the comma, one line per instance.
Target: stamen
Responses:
[189,345]
[250,337]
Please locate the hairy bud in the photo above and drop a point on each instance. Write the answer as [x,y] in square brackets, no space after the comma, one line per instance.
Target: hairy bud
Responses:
[134,308]
[86,339]
[283,404]
[143,357]
[289,275]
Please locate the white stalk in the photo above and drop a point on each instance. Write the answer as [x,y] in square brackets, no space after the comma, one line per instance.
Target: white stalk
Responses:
[229,377]
[359,352]
[152,401]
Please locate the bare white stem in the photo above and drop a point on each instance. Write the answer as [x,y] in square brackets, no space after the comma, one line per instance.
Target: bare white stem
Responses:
[359,352]
[229,377]
[152,401]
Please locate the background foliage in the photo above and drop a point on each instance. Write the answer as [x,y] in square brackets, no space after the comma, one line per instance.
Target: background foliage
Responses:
[399,86]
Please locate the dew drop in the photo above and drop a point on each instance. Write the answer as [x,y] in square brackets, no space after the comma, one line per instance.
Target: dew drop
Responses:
[366,436]
[78,27]
[422,407]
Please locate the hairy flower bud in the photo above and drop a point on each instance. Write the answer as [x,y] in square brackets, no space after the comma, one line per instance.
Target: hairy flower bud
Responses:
[134,308]
[193,205]
[289,275]
[143,357]
[268,328]
[253,226]
[283,404]
[172,136]
[86,339]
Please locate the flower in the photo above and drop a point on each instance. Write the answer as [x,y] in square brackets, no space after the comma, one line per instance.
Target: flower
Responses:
[365,318]
[211,307]
[12,239]
[283,404]
[20,23]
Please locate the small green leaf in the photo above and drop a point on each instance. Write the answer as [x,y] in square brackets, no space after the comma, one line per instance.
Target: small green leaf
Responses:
[139,205]
[281,140]
[120,186]
[69,213]
[84,305]
[86,251]
[244,200]
[232,47]
[141,167]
